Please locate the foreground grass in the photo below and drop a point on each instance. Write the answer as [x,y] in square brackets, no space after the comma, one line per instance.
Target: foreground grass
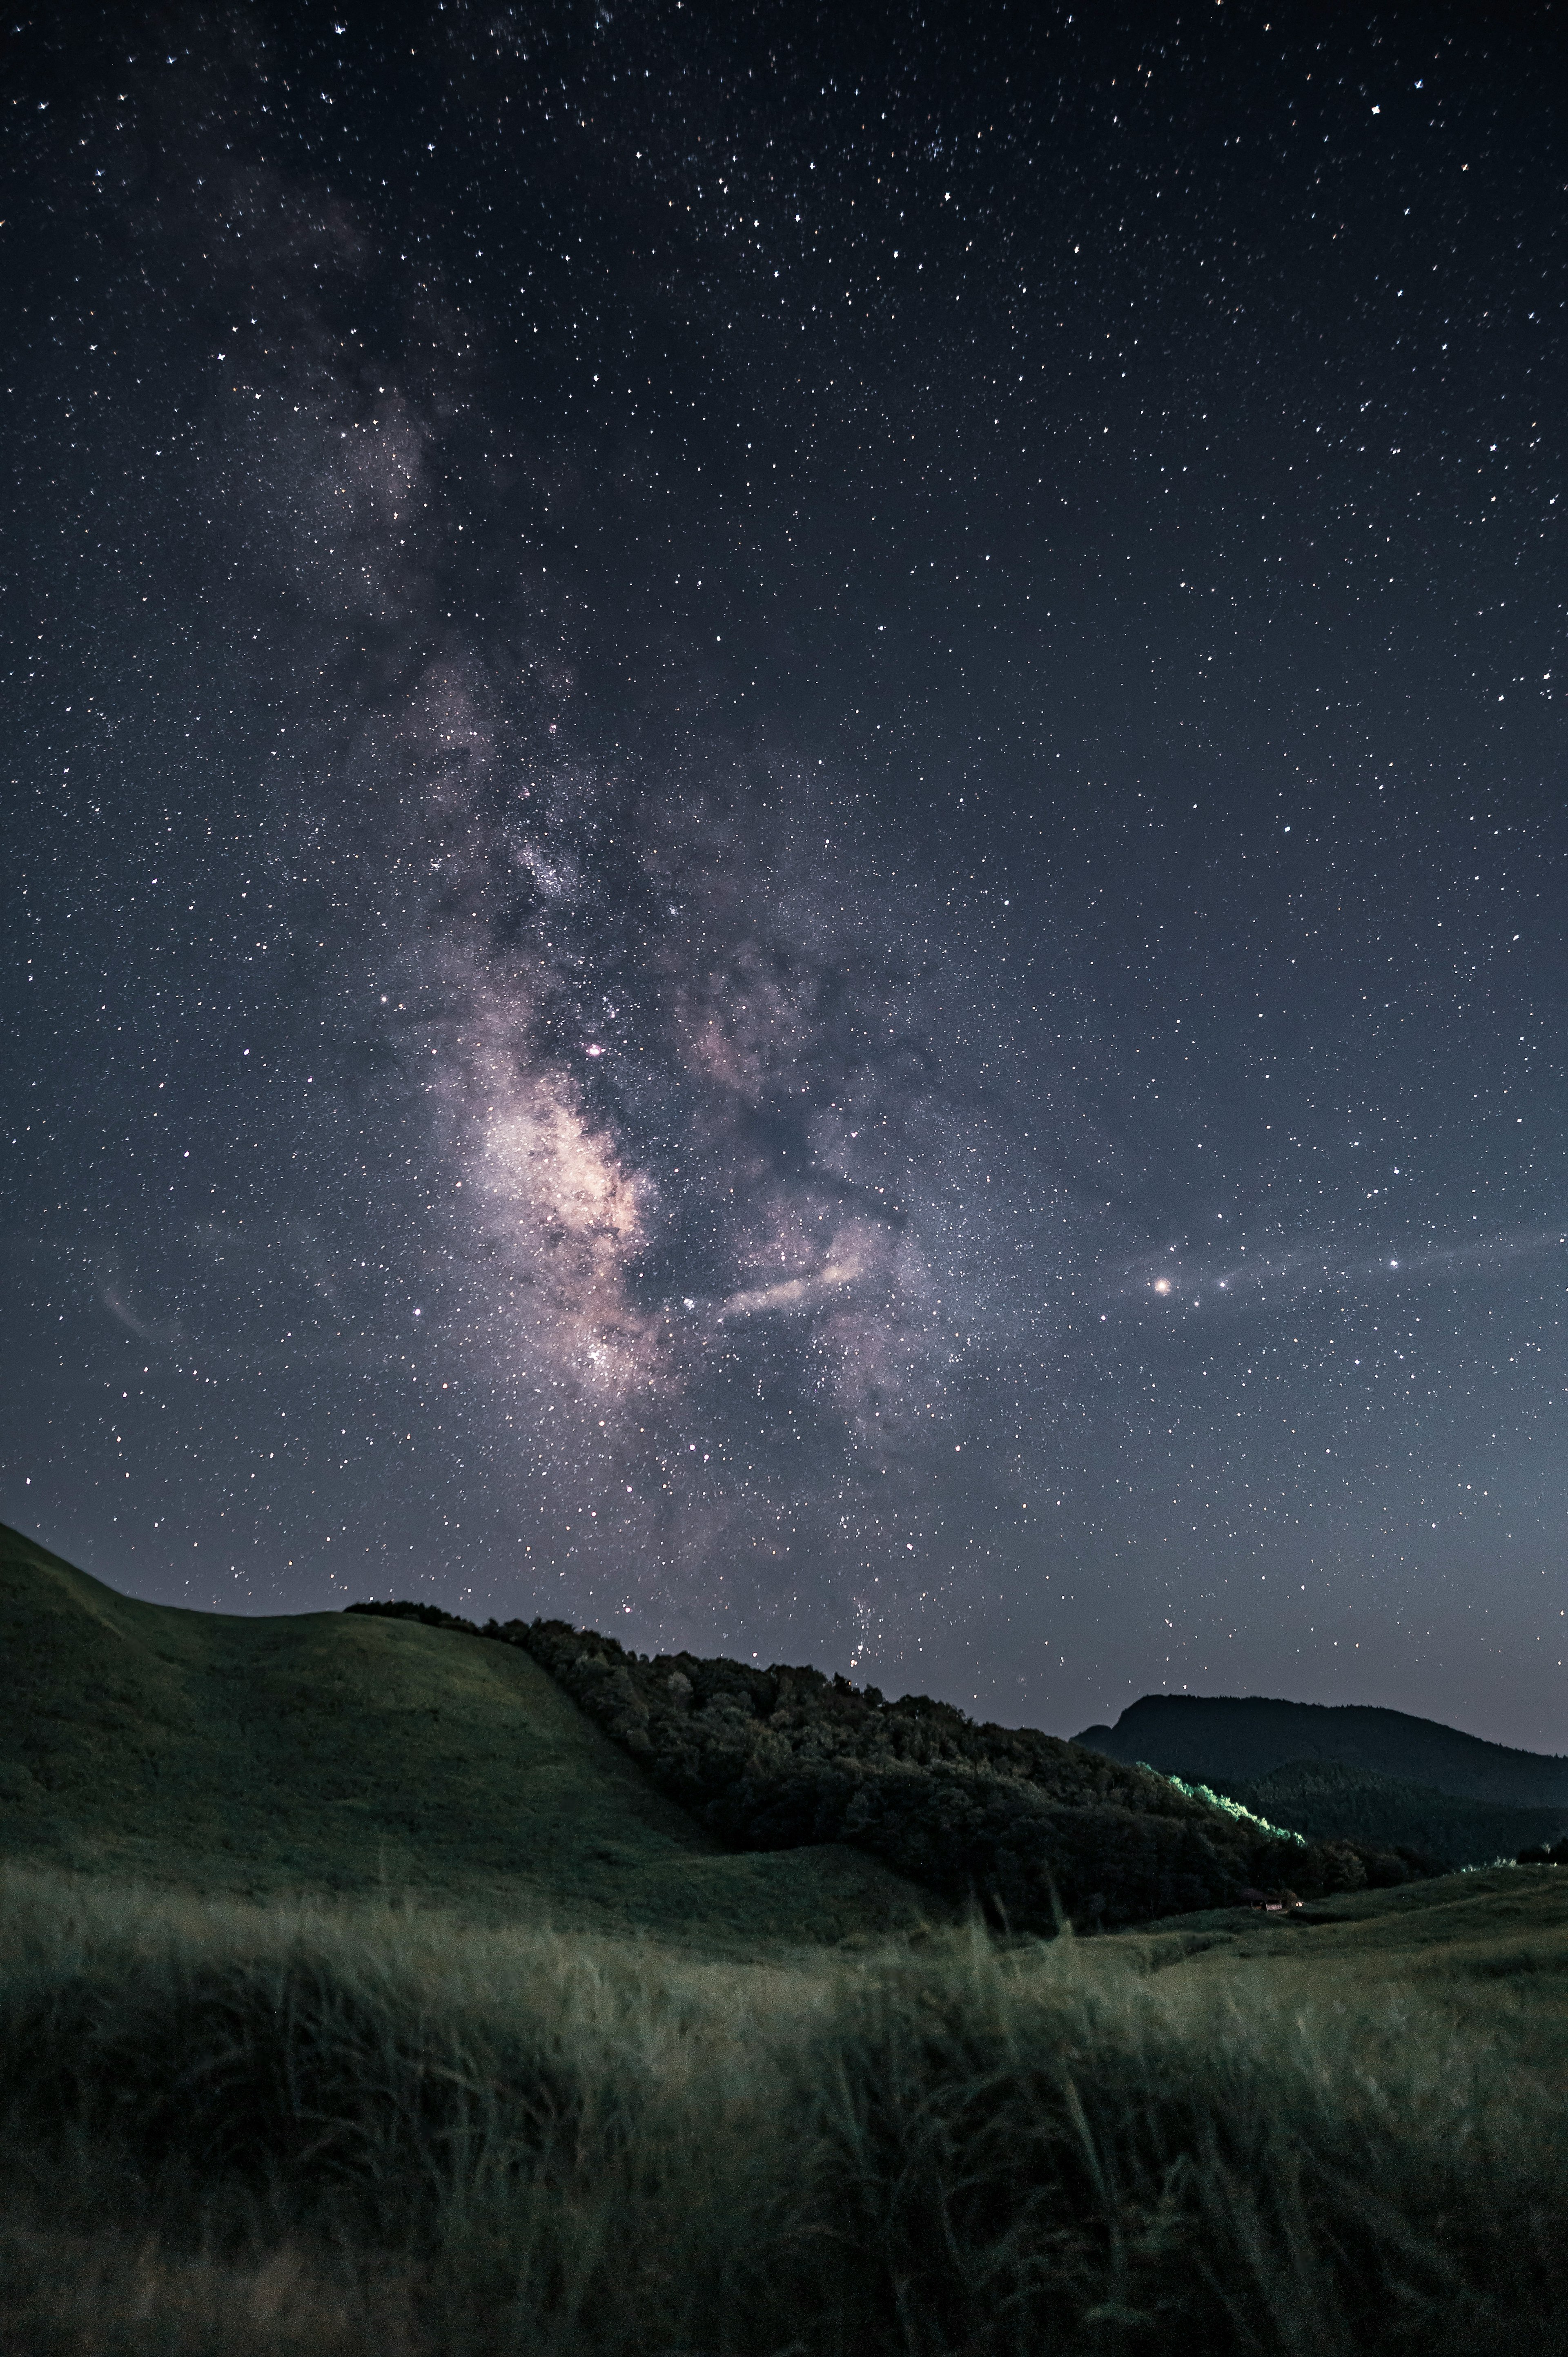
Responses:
[238,2128]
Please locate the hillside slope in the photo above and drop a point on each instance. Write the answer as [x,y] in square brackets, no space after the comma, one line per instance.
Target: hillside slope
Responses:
[331,1753]
[1030,1827]
[1204,1737]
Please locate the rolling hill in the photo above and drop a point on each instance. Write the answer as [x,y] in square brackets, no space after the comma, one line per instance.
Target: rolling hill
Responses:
[1026,1825]
[530,1769]
[328,1753]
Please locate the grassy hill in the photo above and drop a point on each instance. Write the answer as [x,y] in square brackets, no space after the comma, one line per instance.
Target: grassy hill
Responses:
[1027,1825]
[1217,1738]
[329,1752]
[395,1747]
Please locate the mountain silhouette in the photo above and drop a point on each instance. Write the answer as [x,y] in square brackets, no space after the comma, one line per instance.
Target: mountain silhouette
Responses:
[1248,1737]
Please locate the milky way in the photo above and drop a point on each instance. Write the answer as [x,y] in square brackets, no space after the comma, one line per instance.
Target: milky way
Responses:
[790,854]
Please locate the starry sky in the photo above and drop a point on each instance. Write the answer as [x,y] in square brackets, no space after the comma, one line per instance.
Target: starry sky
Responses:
[786,833]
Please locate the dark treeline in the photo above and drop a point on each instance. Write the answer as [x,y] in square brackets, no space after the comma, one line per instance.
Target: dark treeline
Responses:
[1333,1799]
[1033,1827]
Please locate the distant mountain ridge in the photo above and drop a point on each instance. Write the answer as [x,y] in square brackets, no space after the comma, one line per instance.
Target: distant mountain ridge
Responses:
[1245,1738]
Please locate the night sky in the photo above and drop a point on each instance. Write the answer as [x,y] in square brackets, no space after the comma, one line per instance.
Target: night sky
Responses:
[785,833]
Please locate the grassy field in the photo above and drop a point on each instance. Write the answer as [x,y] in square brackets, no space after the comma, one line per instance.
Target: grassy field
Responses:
[359,1998]
[323,1752]
[346,2126]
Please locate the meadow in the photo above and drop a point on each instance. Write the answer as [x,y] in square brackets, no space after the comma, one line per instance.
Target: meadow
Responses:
[359,2126]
